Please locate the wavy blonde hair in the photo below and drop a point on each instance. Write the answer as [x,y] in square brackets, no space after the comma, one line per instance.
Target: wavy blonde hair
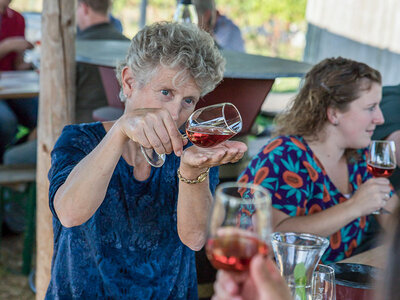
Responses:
[334,82]
[175,45]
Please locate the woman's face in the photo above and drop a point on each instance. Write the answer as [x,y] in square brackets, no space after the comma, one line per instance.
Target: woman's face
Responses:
[358,123]
[179,97]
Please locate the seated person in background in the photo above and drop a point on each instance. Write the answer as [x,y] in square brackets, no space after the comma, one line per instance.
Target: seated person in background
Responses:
[122,229]
[264,282]
[315,168]
[14,112]
[224,31]
[390,130]
[94,24]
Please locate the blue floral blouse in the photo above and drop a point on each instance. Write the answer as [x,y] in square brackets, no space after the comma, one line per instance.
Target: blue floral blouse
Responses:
[129,248]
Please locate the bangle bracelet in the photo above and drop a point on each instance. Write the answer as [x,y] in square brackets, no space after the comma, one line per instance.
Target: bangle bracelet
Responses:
[199,178]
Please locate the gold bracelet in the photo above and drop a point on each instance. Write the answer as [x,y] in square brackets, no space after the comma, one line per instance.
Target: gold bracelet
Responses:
[199,178]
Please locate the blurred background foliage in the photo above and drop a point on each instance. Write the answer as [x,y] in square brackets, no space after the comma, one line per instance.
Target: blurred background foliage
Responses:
[269,27]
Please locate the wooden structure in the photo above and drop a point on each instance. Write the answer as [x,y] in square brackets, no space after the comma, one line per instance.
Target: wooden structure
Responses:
[57,91]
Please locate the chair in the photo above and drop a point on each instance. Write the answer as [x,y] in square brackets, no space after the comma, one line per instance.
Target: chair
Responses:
[111,86]
[10,175]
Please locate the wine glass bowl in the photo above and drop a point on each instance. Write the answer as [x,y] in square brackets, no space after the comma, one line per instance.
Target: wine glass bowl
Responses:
[381,161]
[214,124]
[239,226]
[381,158]
[206,127]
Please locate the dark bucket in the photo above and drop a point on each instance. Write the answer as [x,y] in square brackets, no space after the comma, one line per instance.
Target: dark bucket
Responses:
[354,281]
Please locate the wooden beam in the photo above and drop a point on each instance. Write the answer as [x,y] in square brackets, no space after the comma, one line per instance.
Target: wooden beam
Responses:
[56,106]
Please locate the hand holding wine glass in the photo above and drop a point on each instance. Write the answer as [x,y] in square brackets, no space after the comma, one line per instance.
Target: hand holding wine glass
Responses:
[206,127]
[381,161]
[239,226]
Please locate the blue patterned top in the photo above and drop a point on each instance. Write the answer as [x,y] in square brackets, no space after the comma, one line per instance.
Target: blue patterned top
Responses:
[129,248]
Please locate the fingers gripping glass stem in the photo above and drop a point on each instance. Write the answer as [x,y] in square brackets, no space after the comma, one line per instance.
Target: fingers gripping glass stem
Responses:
[206,127]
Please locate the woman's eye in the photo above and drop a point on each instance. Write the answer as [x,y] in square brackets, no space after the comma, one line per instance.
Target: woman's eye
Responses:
[372,108]
[165,92]
[189,101]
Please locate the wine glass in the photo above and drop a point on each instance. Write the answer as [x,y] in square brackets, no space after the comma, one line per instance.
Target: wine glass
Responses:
[323,283]
[206,127]
[381,161]
[238,226]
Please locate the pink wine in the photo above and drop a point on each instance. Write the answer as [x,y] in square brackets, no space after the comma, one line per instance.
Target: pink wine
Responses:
[208,136]
[381,170]
[233,252]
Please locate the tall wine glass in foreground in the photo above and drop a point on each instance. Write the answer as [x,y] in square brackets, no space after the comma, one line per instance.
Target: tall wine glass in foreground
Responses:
[206,127]
[381,161]
[239,226]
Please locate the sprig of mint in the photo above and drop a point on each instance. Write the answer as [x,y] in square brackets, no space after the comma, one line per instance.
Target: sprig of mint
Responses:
[300,280]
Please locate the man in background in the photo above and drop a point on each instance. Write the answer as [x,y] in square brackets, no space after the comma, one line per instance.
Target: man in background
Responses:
[225,32]
[92,17]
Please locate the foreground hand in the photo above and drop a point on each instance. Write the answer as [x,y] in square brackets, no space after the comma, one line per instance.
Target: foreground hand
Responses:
[263,282]
[371,196]
[226,152]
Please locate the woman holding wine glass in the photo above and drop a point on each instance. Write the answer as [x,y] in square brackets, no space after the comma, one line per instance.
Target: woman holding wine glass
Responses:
[315,167]
[123,229]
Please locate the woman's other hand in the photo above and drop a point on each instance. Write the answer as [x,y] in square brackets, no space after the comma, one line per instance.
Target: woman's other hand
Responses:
[371,196]
[263,282]
[226,152]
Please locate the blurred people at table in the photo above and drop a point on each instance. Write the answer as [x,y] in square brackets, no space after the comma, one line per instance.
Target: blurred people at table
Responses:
[14,112]
[224,31]
[93,20]
[390,130]
[123,229]
[315,167]
[94,24]
[264,282]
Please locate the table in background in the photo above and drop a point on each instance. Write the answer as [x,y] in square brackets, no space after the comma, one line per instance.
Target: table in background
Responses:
[19,84]
[247,78]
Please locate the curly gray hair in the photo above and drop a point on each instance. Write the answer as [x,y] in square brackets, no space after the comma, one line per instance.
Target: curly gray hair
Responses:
[174,45]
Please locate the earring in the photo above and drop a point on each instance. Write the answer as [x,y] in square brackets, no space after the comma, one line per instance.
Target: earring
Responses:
[122,96]
[336,123]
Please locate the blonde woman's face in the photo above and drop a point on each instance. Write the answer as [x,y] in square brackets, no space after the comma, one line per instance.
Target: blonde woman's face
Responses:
[358,123]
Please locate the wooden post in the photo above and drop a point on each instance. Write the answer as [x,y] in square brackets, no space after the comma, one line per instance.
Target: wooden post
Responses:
[56,106]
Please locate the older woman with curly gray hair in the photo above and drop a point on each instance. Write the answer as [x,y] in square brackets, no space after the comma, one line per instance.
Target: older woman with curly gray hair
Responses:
[123,229]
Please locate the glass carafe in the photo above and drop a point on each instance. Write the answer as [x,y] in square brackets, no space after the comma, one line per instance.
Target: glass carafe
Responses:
[297,255]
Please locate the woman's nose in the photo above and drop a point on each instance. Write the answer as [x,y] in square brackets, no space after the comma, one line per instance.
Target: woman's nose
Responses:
[379,119]
[174,110]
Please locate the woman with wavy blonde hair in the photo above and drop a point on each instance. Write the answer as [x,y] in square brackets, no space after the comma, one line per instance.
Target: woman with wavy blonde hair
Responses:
[315,166]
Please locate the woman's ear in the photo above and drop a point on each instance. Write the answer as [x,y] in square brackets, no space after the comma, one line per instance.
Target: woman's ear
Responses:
[128,81]
[333,116]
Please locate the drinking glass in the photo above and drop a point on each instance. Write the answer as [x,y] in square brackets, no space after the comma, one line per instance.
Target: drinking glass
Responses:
[238,226]
[297,255]
[323,283]
[381,161]
[206,127]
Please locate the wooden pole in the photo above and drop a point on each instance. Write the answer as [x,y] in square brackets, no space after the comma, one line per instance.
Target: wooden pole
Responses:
[56,106]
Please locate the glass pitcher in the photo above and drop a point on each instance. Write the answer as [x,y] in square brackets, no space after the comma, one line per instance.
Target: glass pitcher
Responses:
[297,255]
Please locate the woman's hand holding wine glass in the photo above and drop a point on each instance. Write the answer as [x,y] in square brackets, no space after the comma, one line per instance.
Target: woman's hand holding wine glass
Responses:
[381,162]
